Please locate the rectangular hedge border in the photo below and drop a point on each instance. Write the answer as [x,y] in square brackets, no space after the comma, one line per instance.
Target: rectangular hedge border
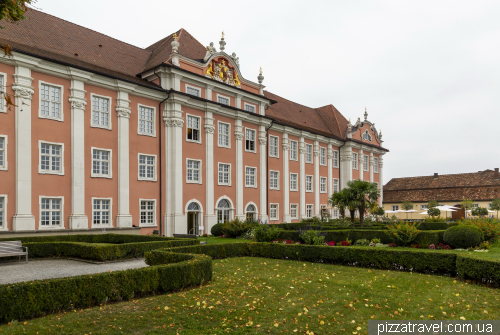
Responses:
[92,238]
[26,300]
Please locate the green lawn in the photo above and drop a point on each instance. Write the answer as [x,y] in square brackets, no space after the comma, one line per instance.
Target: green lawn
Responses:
[260,295]
[218,240]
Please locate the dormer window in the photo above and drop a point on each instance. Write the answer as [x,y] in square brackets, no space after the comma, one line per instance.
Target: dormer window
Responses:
[367,136]
[192,90]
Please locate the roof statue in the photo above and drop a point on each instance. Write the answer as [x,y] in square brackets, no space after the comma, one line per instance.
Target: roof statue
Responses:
[260,77]
[222,43]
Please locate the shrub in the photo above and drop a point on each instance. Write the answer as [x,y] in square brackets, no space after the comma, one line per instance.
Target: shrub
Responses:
[362,242]
[266,233]
[402,232]
[235,228]
[375,240]
[479,211]
[312,236]
[434,219]
[463,236]
[217,230]
[489,227]
[433,211]
[433,225]
[314,219]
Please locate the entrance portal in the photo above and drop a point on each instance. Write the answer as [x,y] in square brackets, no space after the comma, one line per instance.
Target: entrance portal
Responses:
[459,214]
[193,221]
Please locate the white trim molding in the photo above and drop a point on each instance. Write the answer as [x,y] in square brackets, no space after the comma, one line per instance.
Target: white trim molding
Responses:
[61,220]
[3,89]
[5,165]
[4,222]
[277,217]
[228,146]
[61,101]
[61,170]
[229,177]
[155,222]
[254,176]
[277,187]
[139,105]
[155,169]
[110,101]
[110,164]
[110,217]
[196,88]
[200,170]
[199,128]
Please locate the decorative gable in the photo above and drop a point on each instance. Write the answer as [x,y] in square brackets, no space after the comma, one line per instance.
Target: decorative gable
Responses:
[220,69]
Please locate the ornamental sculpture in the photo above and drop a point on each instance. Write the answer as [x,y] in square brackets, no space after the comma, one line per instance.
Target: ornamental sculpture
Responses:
[223,72]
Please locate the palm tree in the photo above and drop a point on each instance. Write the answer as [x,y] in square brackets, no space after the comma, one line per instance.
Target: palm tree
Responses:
[338,200]
[362,195]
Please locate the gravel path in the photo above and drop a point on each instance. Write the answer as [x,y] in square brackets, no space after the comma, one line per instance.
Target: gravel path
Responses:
[58,268]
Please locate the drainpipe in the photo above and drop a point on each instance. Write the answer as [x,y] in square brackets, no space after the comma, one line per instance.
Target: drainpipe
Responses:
[267,174]
[160,156]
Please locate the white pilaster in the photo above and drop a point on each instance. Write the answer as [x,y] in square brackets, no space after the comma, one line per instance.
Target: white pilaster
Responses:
[263,174]
[317,209]
[123,218]
[23,219]
[238,101]
[238,135]
[371,162]
[210,218]
[208,92]
[286,180]
[78,219]
[345,165]
[330,171]
[380,178]
[302,178]
[361,164]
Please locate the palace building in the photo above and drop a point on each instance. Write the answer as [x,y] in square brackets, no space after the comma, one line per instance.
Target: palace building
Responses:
[105,135]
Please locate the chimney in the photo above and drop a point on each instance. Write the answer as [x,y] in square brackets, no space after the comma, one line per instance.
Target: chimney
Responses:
[436,176]
[496,176]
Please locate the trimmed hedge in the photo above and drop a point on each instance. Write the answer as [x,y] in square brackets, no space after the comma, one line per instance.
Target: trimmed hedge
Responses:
[433,226]
[480,269]
[92,238]
[36,298]
[326,226]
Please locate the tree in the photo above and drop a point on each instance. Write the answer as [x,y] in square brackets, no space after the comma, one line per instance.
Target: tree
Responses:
[466,205]
[479,211]
[361,194]
[432,204]
[407,205]
[495,206]
[433,212]
[13,10]
[339,200]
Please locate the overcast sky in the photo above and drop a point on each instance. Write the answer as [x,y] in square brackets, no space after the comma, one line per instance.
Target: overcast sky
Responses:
[427,71]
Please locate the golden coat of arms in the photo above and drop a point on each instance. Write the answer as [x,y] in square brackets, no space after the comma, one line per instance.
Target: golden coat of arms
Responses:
[223,72]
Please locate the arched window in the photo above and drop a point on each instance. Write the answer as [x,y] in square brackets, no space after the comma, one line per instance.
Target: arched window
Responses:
[251,213]
[193,207]
[223,211]
[223,203]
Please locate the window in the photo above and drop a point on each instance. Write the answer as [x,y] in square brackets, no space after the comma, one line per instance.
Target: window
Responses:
[424,206]
[193,172]
[395,207]
[273,212]
[223,208]
[309,153]
[193,128]
[193,90]
[100,112]
[3,151]
[336,187]
[250,140]
[273,146]
[322,156]
[51,158]
[147,167]
[294,209]
[293,150]
[50,101]
[2,84]
[147,213]
[251,213]
[322,184]
[250,173]
[223,100]
[224,174]
[309,183]
[365,162]
[146,120]
[294,181]
[354,161]
[273,180]
[223,135]
[475,205]
[50,212]
[101,211]
[309,211]
[335,159]
[101,163]
[335,213]
[3,206]
[249,108]
[375,162]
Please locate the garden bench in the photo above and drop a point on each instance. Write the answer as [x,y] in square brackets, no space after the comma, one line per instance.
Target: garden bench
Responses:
[13,248]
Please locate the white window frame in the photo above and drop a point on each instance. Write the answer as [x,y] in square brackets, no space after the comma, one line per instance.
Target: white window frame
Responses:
[322,182]
[155,224]
[61,223]
[335,213]
[199,128]
[309,153]
[366,163]
[296,188]
[254,140]
[224,97]
[61,101]
[110,165]
[254,177]
[139,119]
[277,181]
[296,217]
[293,150]
[395,207]
[193,88]
[335,159]
[277,155]
[155,166]
[312,183]
[337,180]
[92,95]
[274,218]
[3,223]
[310,206]
[424,207]
[228,135]
[229,177]
[3,89]
[355,160]
[5,165]
[245,104]
[110,224]
[200,170]
[40,171]
[322,156]
[375,162]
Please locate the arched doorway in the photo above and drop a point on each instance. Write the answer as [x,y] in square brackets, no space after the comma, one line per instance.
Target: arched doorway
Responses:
[193,218]
[459,214]
[251,212]
[223,211]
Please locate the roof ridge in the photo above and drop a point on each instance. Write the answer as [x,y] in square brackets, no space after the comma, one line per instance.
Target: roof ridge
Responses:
[441,175]
[194,38]
[321,116]
[289,100]
[39,11]
[336,120]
